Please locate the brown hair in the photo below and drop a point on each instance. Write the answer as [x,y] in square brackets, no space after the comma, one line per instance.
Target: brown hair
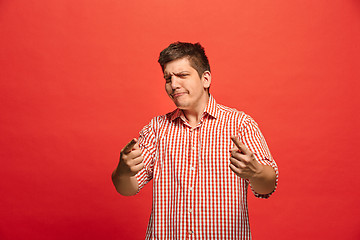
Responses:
[194,52]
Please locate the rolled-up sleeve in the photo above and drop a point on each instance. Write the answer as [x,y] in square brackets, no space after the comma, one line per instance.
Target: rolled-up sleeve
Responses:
[147,142]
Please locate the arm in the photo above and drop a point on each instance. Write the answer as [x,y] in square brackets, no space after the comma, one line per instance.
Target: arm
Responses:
[126,186]
[243,164]
[130,163]
[264,181]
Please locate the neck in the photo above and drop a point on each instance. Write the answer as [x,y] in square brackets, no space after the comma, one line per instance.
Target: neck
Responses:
[194,115]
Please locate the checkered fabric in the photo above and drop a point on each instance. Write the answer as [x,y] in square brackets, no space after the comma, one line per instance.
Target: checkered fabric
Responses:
[195,193]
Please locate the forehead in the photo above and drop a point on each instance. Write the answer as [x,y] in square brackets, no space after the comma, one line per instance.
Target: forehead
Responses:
[178,65]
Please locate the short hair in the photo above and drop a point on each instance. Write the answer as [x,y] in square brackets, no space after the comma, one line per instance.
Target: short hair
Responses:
[193,51]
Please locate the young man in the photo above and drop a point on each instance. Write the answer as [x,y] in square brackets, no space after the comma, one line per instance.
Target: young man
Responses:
[201,157]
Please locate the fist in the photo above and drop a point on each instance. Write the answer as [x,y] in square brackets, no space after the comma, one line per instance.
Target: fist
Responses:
[242,161]
[131,161]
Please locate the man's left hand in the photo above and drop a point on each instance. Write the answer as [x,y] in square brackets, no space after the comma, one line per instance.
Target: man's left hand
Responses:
[243,162]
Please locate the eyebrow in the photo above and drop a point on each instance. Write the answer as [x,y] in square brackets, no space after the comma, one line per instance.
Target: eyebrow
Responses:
[177,73]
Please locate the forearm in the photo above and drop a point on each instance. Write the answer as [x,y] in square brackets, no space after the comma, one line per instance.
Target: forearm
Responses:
[264,181]
[125,185]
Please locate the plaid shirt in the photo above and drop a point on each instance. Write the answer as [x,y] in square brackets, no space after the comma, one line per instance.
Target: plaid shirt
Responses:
[195,193]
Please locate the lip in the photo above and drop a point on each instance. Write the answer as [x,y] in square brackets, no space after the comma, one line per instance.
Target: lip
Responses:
[176,95]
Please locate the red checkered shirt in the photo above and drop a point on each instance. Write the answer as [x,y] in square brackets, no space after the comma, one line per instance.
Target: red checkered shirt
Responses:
[195,193]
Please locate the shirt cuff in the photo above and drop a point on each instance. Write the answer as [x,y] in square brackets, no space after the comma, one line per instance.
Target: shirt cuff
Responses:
[274,166]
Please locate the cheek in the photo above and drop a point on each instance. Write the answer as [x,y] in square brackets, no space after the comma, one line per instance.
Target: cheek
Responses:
[168,88]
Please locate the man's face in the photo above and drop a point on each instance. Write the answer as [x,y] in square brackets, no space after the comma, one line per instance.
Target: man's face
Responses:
[184,86]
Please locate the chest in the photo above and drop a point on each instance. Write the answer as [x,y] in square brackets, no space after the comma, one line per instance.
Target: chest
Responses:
[201,151]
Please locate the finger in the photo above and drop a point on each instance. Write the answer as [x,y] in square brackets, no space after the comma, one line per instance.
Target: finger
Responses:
[234,169]
[137,161]
[240,145]
[135,169]
[234,149]
[134,153]
[129,146]
[136,146]
[237,163]
[240,156]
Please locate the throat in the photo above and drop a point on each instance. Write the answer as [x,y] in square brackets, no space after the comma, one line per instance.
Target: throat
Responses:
[193,118]
[194,113]
[194,123]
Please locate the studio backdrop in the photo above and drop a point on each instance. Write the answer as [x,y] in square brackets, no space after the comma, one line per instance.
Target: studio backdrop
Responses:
[79,79]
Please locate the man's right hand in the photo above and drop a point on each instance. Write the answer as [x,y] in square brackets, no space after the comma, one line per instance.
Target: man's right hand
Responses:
[131,161]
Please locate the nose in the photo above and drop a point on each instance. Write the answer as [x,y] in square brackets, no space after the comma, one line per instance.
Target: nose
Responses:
[174,82]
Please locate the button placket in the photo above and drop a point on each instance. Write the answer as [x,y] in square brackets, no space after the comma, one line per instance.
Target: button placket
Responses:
[192,173]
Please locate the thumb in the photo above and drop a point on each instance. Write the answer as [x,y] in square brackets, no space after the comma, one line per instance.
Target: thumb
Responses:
[129,146]
[240,145]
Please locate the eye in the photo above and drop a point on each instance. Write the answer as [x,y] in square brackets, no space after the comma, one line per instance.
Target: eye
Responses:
[167,79]
[182,75]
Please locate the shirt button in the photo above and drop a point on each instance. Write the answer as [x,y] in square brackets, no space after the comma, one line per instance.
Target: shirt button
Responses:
[192,168]
[191,188]
[191,232]
[190,210]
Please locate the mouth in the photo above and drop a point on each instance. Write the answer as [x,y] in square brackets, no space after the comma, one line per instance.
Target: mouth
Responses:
[176,95]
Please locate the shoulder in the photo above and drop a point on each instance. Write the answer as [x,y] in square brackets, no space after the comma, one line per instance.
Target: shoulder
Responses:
[161,120]
[234,114]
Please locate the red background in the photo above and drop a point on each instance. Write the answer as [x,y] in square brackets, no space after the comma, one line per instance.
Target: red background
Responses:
[79,79]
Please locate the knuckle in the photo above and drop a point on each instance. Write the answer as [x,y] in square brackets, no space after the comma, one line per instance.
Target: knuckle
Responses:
[128,162]
[233,161]
[125,158]
[133,169]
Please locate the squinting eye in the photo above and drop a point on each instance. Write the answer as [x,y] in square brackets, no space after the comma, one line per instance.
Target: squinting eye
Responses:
[183,75]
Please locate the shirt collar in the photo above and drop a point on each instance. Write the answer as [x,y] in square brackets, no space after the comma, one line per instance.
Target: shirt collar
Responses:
[210,109]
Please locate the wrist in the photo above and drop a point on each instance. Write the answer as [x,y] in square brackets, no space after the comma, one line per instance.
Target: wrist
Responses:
[118,173]
[258,173]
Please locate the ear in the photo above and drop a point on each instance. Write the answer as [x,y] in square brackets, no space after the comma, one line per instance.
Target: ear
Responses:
[206,79]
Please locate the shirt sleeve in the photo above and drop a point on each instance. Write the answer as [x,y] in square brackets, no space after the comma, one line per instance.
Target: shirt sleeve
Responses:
[252,137]
[147,142]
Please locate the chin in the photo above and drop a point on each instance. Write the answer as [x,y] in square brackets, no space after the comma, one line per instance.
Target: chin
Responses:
[181,106]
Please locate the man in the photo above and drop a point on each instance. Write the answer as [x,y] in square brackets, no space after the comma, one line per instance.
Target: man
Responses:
[201,157]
